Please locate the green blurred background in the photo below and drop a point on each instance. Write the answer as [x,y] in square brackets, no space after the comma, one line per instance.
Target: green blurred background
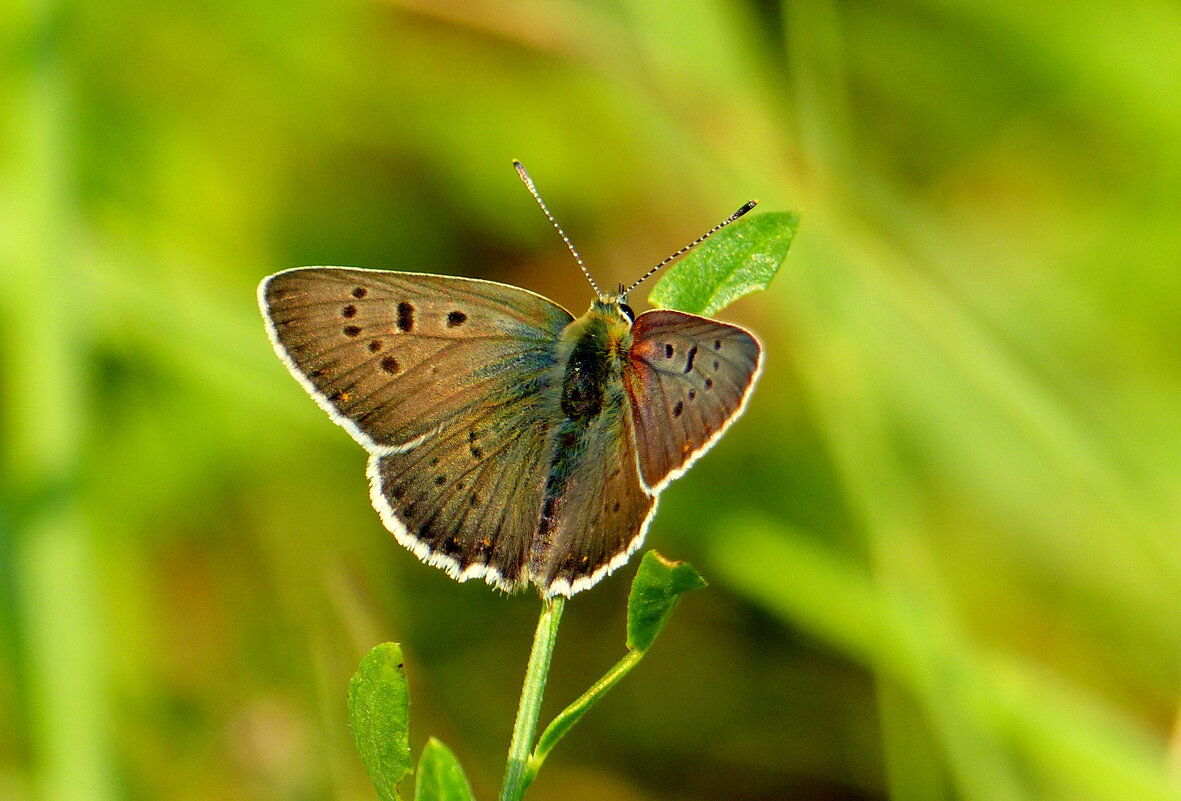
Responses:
[943,541]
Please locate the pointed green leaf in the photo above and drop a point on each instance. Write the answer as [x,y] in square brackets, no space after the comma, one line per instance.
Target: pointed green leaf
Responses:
[736,261]
[379,711]
[655,591]
[440,778]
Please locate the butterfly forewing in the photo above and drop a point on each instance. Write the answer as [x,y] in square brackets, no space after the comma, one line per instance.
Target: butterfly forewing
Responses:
[687,378]
[441,379]
[375,348]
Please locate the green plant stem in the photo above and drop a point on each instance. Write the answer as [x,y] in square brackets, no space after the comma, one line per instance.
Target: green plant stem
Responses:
[531,693]
[572,713]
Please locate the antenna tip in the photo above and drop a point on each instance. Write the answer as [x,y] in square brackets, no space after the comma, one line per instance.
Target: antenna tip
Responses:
[520,168]
[750,204]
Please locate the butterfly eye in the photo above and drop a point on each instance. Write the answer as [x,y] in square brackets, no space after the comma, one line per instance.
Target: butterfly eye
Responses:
[627,312]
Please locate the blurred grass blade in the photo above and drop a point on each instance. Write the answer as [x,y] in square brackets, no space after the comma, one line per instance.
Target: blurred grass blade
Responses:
[440,777]
[735,261]
[1010,712]
[379,711]
[655,591]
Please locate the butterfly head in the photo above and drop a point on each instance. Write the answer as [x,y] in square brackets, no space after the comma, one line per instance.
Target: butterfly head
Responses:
[613,305]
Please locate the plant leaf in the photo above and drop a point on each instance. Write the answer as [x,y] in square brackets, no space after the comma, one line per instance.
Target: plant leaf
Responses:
[440,778]
[379,711]
[736,261]
[655,591]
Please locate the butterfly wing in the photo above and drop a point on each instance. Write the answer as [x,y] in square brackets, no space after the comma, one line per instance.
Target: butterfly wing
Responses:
[470,507]
[687,379]
[443,381]
[599,510]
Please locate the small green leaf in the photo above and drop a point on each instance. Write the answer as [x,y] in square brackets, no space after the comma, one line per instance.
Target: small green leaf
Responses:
[655,591]
[736,261]
[440,778]
[379,711]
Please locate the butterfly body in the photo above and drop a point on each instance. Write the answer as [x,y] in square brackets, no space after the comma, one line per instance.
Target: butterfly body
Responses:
[508,440]
[591,354]
[590,438]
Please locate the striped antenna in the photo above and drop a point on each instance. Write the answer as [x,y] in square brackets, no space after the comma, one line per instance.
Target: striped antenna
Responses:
[749,205]
[533,191]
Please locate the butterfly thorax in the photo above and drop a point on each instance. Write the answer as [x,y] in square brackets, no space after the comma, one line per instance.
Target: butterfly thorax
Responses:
[591,352]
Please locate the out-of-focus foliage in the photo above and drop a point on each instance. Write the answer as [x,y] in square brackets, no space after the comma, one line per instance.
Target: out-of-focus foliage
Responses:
[943,542]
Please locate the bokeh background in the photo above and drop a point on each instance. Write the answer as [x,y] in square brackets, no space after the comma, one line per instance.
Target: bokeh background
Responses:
[943,542]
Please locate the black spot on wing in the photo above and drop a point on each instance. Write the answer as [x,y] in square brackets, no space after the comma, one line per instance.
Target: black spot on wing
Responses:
[405,316]
[456,318]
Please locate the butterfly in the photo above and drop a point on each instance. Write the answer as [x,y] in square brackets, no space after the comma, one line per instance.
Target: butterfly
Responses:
[507,439]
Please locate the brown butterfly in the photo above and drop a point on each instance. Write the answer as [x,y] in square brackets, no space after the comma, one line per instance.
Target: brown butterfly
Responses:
[508,440]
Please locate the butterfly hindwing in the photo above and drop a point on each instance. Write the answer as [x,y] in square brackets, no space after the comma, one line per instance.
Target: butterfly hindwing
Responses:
[602,509]
[687,378]
[443,380]
[472,503]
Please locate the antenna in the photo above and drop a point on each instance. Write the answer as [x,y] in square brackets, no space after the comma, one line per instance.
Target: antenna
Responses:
[749,205]
[533,191]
